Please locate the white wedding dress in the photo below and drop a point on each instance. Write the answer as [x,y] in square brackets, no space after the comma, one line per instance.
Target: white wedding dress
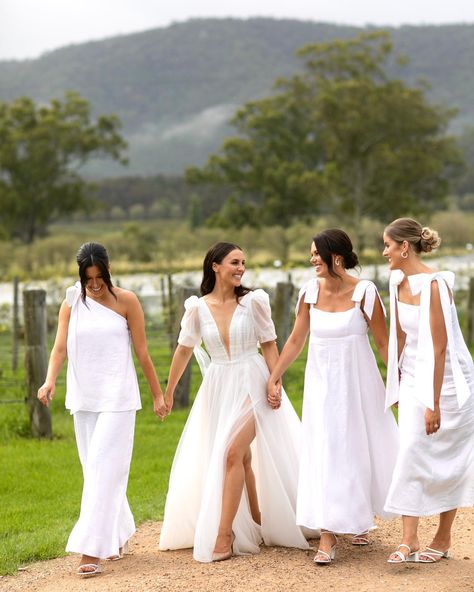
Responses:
[233,390]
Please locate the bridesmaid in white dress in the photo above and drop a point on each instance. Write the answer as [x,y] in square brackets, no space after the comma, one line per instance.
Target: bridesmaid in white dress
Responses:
[431,375]
[233,479]
[349,443]
[96,326]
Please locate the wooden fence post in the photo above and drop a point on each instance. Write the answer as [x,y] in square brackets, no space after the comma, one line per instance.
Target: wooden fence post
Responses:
[281,311]
[15,325]
[171,308]
[36,359]
[470,312]
[181,395]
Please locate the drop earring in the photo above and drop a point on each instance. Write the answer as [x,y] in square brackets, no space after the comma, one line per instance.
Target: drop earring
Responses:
[405,255]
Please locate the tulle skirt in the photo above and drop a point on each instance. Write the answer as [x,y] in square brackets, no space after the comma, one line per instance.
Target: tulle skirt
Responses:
[232,394]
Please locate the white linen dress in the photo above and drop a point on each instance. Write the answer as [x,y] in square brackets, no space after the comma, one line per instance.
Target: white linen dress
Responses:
[233,390]
[349,442]
[103,397]
[433,473]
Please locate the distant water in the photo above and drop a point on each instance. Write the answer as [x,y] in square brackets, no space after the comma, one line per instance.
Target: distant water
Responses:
[149,287]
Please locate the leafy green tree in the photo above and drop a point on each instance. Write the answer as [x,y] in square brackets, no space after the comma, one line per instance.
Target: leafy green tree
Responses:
[42,149]
[195,217]
[340,137]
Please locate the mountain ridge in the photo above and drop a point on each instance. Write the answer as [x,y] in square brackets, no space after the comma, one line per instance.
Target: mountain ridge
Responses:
[176,87]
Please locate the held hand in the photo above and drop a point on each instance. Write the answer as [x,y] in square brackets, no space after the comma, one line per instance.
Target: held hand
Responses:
[432,420]
[159,407]
[169,401]
[46,393]
[274,393]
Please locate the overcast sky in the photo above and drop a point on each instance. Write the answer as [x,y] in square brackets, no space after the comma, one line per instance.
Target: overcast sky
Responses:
[28,28]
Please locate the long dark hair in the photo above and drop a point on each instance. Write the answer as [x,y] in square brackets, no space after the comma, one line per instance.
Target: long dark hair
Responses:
[334,241]
[216,254]
[91,254]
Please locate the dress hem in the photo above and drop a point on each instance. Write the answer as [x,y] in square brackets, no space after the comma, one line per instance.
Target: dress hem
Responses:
[414,513]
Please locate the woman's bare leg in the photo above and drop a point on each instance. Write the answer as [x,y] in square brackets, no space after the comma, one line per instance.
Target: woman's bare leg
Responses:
[251,486]
[442,538]
[233,485]
[410,536]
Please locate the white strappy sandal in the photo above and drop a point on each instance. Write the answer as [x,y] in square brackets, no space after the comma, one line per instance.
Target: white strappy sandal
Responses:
[96,570]
[433,555]
[361,539]
[323,558]
[402,558]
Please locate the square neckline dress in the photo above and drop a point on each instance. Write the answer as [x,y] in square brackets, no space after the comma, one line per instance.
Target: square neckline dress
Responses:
[349,442]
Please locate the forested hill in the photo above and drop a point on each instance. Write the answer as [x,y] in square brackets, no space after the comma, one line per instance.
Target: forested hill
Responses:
[174,88]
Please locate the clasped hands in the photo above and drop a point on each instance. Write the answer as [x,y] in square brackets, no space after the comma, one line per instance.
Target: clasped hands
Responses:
[274,390]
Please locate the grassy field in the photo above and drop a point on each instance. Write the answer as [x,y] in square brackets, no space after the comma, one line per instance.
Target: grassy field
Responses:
[41,481]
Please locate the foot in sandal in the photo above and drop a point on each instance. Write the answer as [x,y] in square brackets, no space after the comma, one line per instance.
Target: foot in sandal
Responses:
[404,554]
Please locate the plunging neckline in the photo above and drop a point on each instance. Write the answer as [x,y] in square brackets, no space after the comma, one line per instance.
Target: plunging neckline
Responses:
[227,351]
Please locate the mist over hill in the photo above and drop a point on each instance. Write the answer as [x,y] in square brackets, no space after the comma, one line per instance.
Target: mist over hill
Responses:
[175,88]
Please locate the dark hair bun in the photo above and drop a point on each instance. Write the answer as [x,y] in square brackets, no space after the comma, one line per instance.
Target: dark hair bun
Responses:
[351,260]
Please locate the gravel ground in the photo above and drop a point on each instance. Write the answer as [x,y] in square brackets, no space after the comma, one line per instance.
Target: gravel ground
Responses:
[358,569]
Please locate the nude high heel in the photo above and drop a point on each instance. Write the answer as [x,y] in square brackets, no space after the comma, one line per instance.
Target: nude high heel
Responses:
[225,555]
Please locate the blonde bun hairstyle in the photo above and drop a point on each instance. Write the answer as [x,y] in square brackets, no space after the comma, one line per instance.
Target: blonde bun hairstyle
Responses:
[422,239]
[429,239]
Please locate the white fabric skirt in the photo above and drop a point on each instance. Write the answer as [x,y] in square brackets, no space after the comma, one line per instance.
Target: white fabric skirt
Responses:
[105,444]
[434,473]
[231,395]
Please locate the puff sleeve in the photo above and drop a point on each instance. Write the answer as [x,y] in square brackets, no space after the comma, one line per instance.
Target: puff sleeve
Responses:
[73,293]
[262,316]
[190,334]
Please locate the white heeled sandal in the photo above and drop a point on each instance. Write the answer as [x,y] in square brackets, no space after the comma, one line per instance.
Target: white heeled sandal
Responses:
[323,558]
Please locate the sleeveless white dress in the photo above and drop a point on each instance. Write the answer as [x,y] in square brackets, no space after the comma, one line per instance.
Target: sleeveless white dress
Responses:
[103,397]
[233,390]
[433,473]
[349,442]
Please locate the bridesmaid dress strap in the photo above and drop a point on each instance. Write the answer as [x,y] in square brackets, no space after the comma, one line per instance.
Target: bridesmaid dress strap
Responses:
[310,291]
[367,291]
[425,360]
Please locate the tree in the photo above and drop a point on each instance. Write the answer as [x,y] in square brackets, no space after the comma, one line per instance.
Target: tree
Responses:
[42,149]
[340,137]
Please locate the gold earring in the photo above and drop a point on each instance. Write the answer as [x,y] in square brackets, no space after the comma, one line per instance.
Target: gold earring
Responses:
[405,254]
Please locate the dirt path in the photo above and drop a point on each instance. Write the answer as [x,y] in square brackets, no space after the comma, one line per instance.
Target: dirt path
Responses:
[273,570]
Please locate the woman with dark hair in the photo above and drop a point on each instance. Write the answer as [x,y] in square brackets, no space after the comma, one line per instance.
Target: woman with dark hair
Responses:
[96,323]
[233,480]
[431,376]
[349,443]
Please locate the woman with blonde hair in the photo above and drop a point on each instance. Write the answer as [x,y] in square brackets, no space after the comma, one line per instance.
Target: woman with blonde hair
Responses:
[431,376]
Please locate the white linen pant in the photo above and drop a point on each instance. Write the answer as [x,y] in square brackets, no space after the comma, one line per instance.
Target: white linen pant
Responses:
[105,444]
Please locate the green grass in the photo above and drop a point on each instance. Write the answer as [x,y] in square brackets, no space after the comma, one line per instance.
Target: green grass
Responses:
[41,481]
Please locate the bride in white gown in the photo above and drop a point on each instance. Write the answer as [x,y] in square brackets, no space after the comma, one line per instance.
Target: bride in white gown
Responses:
[234,475]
